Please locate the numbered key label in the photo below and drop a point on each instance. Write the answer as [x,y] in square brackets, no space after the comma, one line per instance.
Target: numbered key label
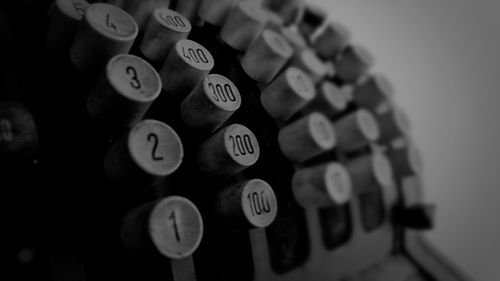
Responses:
[194,54]
[338,183]
[155,147]
[172,20]
[134,78]
[111,21]
[241,144]
[259,203]
[300,83]
[176,227]
[322,130]
[222,92]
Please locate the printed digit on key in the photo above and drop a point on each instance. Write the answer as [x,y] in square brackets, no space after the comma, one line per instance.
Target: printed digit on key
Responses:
[259,203]
[195,54]
[111,21]
[222,92]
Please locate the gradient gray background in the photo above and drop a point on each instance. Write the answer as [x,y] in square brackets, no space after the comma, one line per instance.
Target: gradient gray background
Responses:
[443,58]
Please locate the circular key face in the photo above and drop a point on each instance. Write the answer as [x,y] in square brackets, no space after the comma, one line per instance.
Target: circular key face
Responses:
[277,43]
[155,147]
[300,83]
[111,21]
[382,170]
[172,20]
[73,8]
[321,130]
[338,183]
[259,203]
[194,54]
[222,92]
[367,125]
[334,96]
[176,227]
[133,77]
[241,144]
[311,63]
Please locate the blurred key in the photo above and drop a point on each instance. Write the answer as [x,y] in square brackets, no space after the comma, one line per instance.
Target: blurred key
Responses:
[322,185]
[127,89]
[406,161]
[104,32]
[307,137]
[417,217]
[18,135]
[150,151]
[393,125]
[243,24]
[228,152]
[140,10]
[265,56]
[273,20]
[353,63]
[356,130]
[292,35]
[164,29]
[329,100]
[336,225]
[245,205]
[186,66]
[171,227]
[210,104]
[188,8]
[370,171]
[313,17]
[332,39]
[289,10]
[287,94]
[215,11]
[371,92]
[307,60]
[65,15]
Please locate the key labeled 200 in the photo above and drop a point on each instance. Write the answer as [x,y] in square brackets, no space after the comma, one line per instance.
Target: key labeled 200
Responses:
[242,145]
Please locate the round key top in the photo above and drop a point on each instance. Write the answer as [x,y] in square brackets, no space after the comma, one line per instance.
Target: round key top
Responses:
[313,17]
[186,65]
[307,137]
[371,92]
[140,10]
[164,29]
[265,56]
[288,93]
[353,63]
[18,136]
[211,103]
[171,227]
[370,171]
[292,35]
[150,151]
[330,100]
[406,161]
[245,205]
[322,185]
[215,11]
[356,130]
[331,40]
[228,152]
[105,31]
[393,124]
[243,24]
[128,88]
[65,15]
[307,60]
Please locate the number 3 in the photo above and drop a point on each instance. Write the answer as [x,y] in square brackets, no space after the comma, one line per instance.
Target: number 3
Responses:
[135,83]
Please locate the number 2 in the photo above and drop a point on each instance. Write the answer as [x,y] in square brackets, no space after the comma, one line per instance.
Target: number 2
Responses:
[135,83]
[154,138]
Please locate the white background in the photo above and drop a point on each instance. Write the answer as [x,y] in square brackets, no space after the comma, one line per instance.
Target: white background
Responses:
[443,58]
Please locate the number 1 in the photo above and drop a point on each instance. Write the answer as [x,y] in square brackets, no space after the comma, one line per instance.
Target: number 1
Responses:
[174,223]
